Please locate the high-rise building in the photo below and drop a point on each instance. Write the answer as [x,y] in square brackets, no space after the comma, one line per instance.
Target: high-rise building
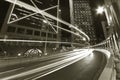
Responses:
[81,17]
[34,27]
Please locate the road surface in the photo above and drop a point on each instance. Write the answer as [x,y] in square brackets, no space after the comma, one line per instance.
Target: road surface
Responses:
[88,68]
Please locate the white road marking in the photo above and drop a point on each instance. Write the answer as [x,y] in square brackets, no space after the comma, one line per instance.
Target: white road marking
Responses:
[86,52]
[11,70]
[58,68]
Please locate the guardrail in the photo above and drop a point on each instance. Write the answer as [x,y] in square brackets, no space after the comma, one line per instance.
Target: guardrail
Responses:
[109,72]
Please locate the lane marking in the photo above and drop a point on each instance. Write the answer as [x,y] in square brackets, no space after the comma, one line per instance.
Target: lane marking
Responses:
[11,70]
[87,52]
[57,68]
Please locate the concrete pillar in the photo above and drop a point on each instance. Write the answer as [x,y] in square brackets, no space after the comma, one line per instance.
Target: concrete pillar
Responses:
[5,24]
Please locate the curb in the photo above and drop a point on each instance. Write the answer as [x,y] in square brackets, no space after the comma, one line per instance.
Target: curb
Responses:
[108,72]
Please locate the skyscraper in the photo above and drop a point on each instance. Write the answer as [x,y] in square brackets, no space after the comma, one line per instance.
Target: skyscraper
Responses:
[81,17]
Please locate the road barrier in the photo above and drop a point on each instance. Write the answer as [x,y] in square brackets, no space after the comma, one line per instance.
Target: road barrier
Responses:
[108,72]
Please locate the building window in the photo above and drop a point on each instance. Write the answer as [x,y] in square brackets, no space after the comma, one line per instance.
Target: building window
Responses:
[37,33]
[54,36]
[11,29]
[43,34]
[49,35]
[29,32]
[20,30]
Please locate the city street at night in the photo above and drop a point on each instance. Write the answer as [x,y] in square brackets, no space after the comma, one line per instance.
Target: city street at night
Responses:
[87,68]
[59,39]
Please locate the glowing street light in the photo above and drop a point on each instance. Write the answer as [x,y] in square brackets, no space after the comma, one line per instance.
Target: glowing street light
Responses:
[44,21]
[19,54]
[59,10]
[84,39]
[100,10]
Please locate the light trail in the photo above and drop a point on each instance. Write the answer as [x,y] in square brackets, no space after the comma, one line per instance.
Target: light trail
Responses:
[12,10]
[43,16]
[67,30]
[35,41]
[11,70]
[9,22]
[29,7]
[59,65]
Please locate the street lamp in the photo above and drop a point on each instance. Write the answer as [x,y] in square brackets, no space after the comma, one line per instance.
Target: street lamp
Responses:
[44,21]
[100,10]
[59,10]
[84,39]
[45,49]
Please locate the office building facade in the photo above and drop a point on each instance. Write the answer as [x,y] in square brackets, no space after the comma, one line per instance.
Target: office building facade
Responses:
[34,27]
[81,17]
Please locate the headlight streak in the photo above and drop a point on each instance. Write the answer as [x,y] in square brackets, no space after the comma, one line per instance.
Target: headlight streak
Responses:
[71,60]
[67,30]
[106,52]
[36,41]
[9,22]
[83,55]
[44,16]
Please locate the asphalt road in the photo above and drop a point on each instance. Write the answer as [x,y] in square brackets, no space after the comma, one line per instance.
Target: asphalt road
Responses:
[87,69]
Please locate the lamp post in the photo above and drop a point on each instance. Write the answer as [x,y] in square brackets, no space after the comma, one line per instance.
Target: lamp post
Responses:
[101,10]
[110,15]
[58,24]
[45,49]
